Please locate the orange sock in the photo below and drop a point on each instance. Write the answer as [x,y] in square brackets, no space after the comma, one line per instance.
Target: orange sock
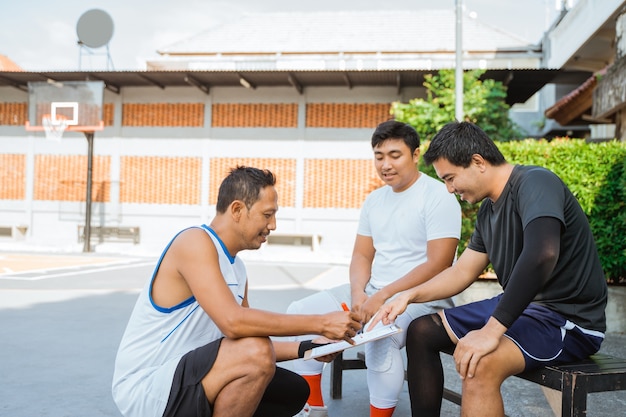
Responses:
[315,384]
[381,412]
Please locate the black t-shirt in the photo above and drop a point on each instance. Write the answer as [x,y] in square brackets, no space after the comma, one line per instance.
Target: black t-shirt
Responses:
[577,287]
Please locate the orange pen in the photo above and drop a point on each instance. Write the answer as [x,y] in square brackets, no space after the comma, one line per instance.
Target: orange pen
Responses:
[345,307]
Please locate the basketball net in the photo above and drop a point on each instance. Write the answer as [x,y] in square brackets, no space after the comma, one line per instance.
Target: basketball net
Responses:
[54,128]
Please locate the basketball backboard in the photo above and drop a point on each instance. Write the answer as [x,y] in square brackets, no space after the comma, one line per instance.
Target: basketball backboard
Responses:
[69,106]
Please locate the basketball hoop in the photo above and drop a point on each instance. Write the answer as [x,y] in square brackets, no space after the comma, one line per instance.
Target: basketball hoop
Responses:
[54,127]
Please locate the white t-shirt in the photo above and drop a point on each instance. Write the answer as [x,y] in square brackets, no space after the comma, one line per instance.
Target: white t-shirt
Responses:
[156,338]
[401,224]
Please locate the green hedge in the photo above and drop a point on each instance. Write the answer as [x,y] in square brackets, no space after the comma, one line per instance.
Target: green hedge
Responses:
[596,175]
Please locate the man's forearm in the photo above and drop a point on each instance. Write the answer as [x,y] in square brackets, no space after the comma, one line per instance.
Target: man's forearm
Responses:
[360,272]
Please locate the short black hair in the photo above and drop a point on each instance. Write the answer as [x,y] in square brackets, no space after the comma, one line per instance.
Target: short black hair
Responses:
[244,184]
[458,141]
[393,129]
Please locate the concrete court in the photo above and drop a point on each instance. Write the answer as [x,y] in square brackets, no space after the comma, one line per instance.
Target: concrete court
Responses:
[62,320]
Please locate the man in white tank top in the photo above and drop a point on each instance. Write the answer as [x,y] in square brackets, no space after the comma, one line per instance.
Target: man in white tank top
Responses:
[192,345]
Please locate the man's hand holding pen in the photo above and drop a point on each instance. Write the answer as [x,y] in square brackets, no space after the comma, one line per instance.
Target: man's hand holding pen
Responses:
[345,307]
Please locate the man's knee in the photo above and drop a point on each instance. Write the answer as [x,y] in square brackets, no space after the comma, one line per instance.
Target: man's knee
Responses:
[485,379]
[427,331]
[258,353]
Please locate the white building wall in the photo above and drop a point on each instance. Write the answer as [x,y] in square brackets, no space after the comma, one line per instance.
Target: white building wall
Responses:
[57,222]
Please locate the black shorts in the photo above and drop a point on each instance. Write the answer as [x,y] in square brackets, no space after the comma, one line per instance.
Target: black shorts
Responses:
[285,395]
[187,397]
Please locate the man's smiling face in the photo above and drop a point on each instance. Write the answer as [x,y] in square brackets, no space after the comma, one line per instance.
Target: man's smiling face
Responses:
[395,164]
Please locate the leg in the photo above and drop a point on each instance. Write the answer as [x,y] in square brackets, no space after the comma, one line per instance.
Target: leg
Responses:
[238,379]
[426,337]
[385,376]
[285,395]
[385,367]
[481,393]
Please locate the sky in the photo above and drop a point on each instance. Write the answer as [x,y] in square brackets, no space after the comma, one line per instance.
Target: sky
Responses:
[40,35]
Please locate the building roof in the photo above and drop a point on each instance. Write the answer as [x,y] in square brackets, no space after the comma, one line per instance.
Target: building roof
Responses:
[576,107]
[348,40]
[7,64]
[346,31]
[521,83]
[573,105]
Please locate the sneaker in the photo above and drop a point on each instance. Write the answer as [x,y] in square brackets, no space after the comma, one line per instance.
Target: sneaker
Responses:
[313,411]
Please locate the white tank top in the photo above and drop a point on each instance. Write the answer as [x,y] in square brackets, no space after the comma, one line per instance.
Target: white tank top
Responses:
[156,338]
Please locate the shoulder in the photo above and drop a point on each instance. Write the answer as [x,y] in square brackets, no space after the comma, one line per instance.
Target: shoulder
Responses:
[536,181]
[193,240]
[535,174]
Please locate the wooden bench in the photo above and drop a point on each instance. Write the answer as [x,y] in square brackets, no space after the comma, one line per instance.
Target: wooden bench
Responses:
[111,233]
[598,373]
[307,239]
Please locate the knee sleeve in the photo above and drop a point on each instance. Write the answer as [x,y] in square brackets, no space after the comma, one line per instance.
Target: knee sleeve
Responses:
[385,386]
[427,332]
[385,367]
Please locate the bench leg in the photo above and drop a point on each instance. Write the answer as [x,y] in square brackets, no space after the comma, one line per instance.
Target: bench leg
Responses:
[336,377]
[574,401]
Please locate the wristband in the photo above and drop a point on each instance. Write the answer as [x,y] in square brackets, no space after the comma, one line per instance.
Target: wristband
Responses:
[307,345]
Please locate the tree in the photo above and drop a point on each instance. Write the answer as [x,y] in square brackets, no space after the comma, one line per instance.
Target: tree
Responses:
[483,104]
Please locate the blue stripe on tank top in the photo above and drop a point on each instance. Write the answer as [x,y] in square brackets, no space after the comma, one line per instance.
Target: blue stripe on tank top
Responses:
[183,303]
[230,258]
[179,324]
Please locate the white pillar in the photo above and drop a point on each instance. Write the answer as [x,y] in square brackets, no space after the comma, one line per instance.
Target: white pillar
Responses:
[458,79]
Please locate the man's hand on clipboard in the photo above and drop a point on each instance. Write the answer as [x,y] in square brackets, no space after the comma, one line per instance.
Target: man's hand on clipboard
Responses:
[388,312]
[379,332]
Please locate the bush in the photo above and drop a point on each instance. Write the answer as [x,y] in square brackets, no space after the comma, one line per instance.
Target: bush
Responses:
[484,103]
[596,175]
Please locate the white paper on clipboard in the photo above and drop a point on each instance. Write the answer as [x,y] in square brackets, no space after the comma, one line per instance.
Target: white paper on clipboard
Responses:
[376,333]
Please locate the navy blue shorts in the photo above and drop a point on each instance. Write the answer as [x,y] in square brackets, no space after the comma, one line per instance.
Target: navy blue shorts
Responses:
[544,336]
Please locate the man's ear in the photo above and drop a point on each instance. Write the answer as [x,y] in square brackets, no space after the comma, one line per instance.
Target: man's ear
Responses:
[236,209]
[416,156]
[479,162]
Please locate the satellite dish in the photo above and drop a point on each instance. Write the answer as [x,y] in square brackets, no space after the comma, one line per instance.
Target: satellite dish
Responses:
[94,28]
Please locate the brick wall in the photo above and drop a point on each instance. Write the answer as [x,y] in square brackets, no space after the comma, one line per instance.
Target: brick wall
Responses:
[13,175]
[338,183]
[16,114]
[328,183]
[283,169]
[254,115]
[276,115]
[160,180]
[108,110]
[163,114]
[63,178]
[346,115]
[13,114]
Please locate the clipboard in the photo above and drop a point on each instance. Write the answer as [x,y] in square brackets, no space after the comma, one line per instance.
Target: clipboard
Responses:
[379,332]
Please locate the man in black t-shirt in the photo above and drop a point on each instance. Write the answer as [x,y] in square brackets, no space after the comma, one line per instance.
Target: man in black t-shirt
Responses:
[533,231]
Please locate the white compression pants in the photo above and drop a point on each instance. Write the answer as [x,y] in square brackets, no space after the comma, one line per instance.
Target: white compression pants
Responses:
[385,364]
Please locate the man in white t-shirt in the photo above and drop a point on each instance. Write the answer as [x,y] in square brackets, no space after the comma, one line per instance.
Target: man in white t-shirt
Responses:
[408,232]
